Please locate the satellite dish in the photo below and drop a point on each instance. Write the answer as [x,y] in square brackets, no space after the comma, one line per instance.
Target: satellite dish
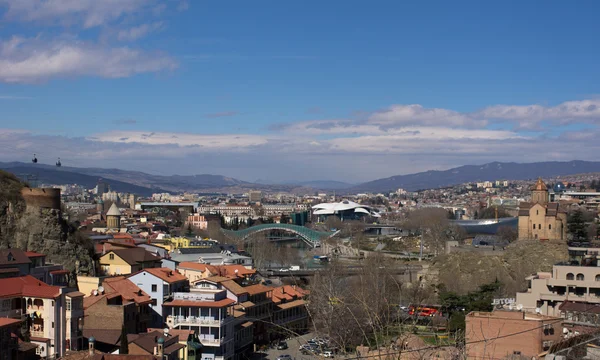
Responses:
[510,307]
[101,289]
[236,271]
[520,307]
[565,330]
[538,310]
[166,331]
[95,292]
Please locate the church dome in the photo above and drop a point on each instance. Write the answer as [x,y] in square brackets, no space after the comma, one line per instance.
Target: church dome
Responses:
[113,211]
[559,187]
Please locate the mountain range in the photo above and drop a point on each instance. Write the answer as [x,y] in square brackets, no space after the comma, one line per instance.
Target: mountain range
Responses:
[475,173]
[145,184]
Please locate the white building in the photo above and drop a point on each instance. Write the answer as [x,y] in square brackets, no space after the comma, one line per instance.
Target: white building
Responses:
[207,310]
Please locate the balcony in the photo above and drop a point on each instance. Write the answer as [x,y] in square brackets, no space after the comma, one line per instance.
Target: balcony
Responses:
[174,321]
[289,319]
[38,334]
[210,340]
[13,314]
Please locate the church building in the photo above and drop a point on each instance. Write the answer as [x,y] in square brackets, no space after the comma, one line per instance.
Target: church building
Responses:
[541,219]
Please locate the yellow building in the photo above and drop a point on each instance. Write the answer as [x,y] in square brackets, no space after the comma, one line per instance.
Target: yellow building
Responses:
[540,219]
[127,261]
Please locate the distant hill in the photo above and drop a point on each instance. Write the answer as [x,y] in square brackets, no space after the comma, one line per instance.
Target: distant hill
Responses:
[314,184]
[53,175]
[472,173]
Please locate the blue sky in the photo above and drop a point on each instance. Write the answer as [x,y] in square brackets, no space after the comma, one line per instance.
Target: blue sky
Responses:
[282,90]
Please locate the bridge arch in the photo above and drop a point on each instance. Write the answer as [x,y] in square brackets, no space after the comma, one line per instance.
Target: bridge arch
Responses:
[312,237]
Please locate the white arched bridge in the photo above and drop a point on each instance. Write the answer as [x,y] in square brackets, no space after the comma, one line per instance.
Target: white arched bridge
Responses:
[312,237]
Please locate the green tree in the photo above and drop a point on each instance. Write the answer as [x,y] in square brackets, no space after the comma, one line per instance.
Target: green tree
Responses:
[124,344]
[576,225]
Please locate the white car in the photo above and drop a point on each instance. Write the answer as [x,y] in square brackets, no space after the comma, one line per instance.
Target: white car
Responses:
[327,354]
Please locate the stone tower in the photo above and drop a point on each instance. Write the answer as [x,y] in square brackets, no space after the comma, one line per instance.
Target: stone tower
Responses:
[539,192]
[113,217]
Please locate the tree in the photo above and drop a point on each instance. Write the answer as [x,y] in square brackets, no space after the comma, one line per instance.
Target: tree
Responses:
[576,225]
[507,233]
[433,225]
[490,213]
[124,349]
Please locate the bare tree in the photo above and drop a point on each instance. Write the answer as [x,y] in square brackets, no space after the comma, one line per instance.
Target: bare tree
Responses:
[434,226]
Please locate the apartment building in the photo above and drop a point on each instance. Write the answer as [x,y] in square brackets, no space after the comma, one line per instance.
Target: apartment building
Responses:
[289,311]
[16,262]
[207,310]
[127,261]
[160,284]
[53,316]
[576,281]
[489,335]
[8,343]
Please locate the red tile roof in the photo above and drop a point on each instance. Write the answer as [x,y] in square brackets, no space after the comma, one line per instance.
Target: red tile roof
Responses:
[27,286]
[128,290]
[196,266]
[165,274]
[257,289]
[13,257]
[31,254]
[211,304]
[287,293]
[8,322]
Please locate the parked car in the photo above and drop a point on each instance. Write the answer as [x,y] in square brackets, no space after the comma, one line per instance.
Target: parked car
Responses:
[284,357]
[327,354]
[282,346]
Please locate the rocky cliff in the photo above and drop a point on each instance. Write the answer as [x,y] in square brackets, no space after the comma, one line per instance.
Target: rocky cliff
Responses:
[41,230]
[466,271]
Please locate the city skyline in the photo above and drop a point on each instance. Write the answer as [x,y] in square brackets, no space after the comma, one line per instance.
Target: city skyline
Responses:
[311,91]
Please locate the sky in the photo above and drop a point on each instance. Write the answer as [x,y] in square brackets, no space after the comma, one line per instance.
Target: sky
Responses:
[298,90]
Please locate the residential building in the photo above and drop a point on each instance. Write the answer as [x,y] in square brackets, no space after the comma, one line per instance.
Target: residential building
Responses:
[116,304]
[189,338]
[8,342]
[208,310]
[127,261]
[254,196]
[197,221]
[156,343]
[289,311]
[570,291]
[160,284]
[540,219]
[16,262]
[52,327]
[487,334]
[194,271]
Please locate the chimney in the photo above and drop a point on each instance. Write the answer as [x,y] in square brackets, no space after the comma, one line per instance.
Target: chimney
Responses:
[92,344]
[160,346]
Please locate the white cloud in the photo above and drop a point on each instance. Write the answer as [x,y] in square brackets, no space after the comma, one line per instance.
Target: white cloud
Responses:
[233,142]
[400,115]
[34,59]
[87,13]
[138,32]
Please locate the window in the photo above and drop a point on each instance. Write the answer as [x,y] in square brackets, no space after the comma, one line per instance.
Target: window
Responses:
[570,276]
[68,304]
[537,212]
[154,287]
[52,303]
[111,256]
[53,324]
[549,226]
[533,226]
[580,277]
[539,226]
[597,277]
[154,302]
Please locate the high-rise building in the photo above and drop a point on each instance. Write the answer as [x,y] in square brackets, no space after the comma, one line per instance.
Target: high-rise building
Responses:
[102,187]
[255,196]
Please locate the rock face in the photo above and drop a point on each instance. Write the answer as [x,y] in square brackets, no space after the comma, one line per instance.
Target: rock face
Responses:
[466,271]
[42,230]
